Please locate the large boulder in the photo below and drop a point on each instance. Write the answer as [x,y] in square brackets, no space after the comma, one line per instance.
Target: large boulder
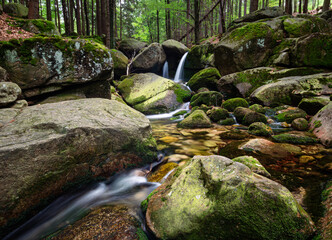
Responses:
[312,105]
[321,125]
[8,93]
[214,197]
[131,47]
[197,119]
[37,26]
[210,98]
[16,9]
[51,63]
[46,148]
[151,94]
[207,78]
[120,63]
[268,12]
[290,90]
[150,59]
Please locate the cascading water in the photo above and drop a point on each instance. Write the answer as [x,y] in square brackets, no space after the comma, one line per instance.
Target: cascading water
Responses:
[165,70]
[179,75]
[128,188]
[184,106]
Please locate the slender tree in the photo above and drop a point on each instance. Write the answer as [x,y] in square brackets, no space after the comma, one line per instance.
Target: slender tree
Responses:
[111,25]
[305,6]
[33,9]
[82,17]
[86,17]
[196,19]
[78,17]
[326,5]
[168,21]
[187,30]
[253,5]
[48,10]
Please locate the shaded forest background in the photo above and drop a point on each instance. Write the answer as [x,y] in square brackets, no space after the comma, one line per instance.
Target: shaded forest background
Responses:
[189,21]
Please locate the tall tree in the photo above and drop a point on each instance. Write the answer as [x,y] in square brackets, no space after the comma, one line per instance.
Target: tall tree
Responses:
[305,6]
[111,27]
[48,10]
[196,19]
[78,17]
[168,21]
[326,5]
[33,9]
[87,17]
[187,30]
[82,17]
[253,5]
[66,17]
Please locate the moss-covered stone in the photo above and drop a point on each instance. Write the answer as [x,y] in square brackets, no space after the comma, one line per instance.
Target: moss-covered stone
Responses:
[252,117]
[211,98]
[288,115]
[37,26]
[233,103]
[253,164]
[300,124]
[16,9]
[197,119]
[240,112]
[205,78]
[227,121]
[260,129]
[257,108]
[120,62]
[235,134]
[216,114]
[312,105]
[131,47]
[200,57]
[294,139]
[297,27]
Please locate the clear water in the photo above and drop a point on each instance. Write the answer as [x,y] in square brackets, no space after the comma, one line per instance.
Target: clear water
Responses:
[165,70]
[179,75]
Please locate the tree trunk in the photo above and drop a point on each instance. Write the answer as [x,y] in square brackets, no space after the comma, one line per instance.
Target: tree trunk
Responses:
[120,20]
[48,10]
[240,8]
[33,9]
[187,30]
[92,19]
[300,6]
[58,13]
[86,17]
[158,33]
[103,12]
[106,20]
[253,5]
[65,17]
[196,18]
[111,25]
[82,17]
[288,7]
[98,19]
[245,8]
[115,21]
[326,5]
[168,22]
[78,17]
[305,6]
[71,15]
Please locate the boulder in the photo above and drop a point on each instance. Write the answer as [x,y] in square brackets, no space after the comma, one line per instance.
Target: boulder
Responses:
[300,124]
[150,59]
[294,138]
[3,75]
[37,26]
[321,125]
[174,51]
[131,47]
[257,108]
[216,114]
[240,112]
[253,164]
[207,78]
[303,25]
[267,12]
[260,129]
[214,197]
[51,147]
[312,105]
[151,94]
[16,9]
[289,114]
[210,98]
[233,103]
[196,119]
[51,63]
[120,62]
[291,89]
[252,117]
[245,47]
[9,92]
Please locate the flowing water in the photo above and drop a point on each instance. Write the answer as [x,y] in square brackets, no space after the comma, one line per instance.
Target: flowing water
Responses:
[179,75]
[165,70]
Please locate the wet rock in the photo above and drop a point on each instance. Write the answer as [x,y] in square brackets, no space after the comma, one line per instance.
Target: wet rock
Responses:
[305,159]
[240,112]
[290,114]
[16,9]
[215,197]
[216,114]
[3,75]
[253,164]
[300,124]
[234,134]
[131,47]
[150,59]
[252,117]
[233,103]
[312,105]
[260,129]
[120,62]
[174,51]
[207,78]
[294,139]
[321,125]
[9,92]
[325,221]
[210,98]
[257,108]
[196,119]
[19,104]
[303,25]
[48,147]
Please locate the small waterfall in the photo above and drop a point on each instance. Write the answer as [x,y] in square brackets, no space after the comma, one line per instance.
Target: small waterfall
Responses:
[165,70]
[184,106]
[179,75]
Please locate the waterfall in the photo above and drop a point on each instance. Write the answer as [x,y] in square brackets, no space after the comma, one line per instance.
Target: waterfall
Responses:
[179,75]
[165,70]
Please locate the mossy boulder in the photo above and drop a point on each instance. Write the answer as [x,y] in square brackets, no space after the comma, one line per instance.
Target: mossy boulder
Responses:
[54,62]
[150,59]
[131,47]
[37,26]
[257,108]
[3,75]
[234,134]
[321,125]
[297,26]
[211,98]
[312,105]
[214,197]
[227,121]
[300,124]
[48,147]
[174,51]
[207,78]
[240,112]
[197,119]
[294,139]
[151,94]
[216,114]
[289,114]
[9,93]
[252,117]
[264,13]
[16,9]
[253,164]
[233,103]
[120,62]
[260,129]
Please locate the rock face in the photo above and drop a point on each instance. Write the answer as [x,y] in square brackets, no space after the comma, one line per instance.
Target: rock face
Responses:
[197,119]
[131,47]
[16,9]
[312,105]
[150,59]
[150,93]
[216,198]
[207,78]
[298,26]
[44,148]
[321,125]
[120,63]
[3,75]
[8,93]
[51,63]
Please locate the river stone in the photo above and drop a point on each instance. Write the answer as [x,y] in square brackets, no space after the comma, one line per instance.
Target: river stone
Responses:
[253,164]
[8,93]
[150,93]
[131,47]
[45,148]
[214,197]
[174,48]
[16,9]
[300,124]
[321,125]
[231,104]
[197,119]
[297,26]
[260,129]
[289,114]
[150,59]
[207,78]
[312,105]
[211,98]
[55,62]
[120,63]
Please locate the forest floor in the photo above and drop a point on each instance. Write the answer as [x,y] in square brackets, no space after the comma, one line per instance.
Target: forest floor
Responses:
[8,31]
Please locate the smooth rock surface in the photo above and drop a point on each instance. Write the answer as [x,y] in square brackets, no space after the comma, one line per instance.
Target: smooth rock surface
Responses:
[8,93]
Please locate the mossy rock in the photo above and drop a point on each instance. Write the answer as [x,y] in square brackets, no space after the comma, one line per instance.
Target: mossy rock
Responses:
[211,98]
[16,9]
[120,62]
[312,105]
[197,119]
[205,78]
[294,139]
[216,114]
[260,129]
[253,164]
[37,26]
[297,27]
[240,112]
[257,108]
[227,121]
[300,124]
[253,117]
[235,134]
[233,103]
[200,57]
[131,47]
[289,115]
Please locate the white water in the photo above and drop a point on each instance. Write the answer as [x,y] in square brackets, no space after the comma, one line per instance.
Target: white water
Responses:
[129,189]
[179,75]
[184,106]
[165,70]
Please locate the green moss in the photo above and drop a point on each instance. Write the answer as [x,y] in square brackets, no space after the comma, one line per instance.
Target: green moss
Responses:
[141,234]
[180,113]
[145,203]
[211,98]
[227,121]
[260,129]
[233,103]
[297,27]
[182,95]
[289,115]
[250,31]
[205,78]
[317,124]
[294,139]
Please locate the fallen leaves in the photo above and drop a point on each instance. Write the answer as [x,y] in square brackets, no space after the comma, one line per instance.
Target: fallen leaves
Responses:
[9,31]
